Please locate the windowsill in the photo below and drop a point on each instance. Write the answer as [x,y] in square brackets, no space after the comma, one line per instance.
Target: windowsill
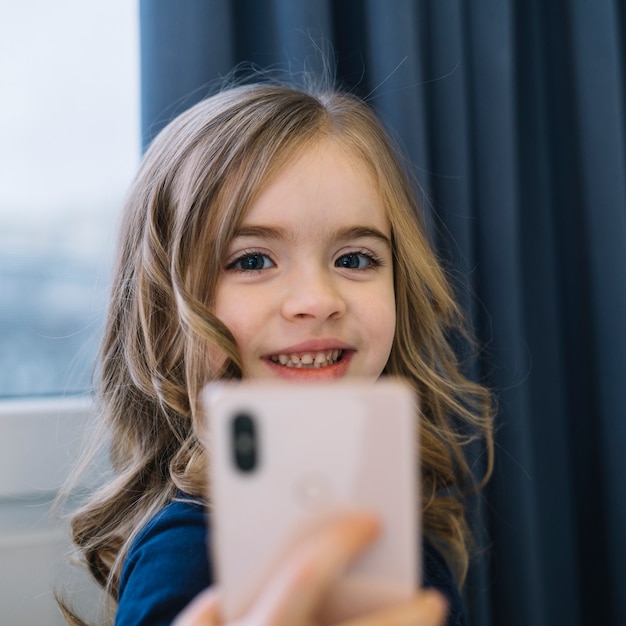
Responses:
[40,440]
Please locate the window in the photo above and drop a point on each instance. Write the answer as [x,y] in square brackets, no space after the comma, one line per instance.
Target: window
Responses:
[69,146]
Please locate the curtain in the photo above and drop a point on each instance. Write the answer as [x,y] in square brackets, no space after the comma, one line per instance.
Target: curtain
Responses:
[512,113]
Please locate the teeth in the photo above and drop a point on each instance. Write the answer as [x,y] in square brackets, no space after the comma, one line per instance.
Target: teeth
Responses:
[308,360]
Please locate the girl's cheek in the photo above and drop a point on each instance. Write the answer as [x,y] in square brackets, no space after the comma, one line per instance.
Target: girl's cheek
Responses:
[213,360]
[216,360]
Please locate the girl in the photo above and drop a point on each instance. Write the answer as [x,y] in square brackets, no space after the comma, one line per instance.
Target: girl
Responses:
[271,232]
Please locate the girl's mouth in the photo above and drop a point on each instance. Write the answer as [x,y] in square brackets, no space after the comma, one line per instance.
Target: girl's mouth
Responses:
[308,360]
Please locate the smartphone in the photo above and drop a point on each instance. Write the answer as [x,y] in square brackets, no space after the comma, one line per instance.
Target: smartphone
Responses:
[284,457]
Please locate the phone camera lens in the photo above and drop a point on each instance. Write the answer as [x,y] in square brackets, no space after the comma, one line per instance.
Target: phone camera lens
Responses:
[244,443]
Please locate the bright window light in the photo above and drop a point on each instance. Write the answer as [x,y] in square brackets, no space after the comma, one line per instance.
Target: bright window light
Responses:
[69,145]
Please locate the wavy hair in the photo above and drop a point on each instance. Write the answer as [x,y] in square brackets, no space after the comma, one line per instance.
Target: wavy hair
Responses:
[162,342]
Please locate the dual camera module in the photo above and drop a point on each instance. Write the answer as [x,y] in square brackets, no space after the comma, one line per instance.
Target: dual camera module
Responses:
[244,444]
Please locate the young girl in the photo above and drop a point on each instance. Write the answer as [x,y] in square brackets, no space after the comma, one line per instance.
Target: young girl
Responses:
[270,233]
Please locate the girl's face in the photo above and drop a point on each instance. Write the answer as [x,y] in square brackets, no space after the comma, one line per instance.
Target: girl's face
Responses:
[307,285]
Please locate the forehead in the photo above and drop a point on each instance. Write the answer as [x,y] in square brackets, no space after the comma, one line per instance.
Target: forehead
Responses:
[324,187]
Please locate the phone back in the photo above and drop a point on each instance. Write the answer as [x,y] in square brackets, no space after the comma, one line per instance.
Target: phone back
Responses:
[284,457]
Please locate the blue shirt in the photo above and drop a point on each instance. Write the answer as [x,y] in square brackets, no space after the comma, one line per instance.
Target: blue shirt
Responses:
[168,565]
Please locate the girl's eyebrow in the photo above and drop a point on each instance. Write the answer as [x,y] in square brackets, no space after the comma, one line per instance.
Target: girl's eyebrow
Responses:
[262,232]
[347,233]
[360,232]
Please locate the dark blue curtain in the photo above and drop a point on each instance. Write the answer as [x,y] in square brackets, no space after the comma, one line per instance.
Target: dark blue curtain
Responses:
[513,114]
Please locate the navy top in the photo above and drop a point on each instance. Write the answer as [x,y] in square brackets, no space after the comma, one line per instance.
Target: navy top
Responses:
[168,565]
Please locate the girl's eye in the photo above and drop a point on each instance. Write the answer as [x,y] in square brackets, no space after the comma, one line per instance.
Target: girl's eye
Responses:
[356,261]
[252,262]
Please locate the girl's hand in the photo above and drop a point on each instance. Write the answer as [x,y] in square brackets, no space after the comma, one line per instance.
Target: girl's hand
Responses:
[292,597]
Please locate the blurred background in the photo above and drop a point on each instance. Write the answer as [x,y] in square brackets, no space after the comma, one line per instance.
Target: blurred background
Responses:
[512,115]
[69,146]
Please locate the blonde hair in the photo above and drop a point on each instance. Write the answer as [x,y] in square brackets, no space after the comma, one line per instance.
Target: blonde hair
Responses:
[162,342]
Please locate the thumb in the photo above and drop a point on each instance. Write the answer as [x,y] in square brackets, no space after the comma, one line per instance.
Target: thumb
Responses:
[203,610]
[427,608]
[294,594]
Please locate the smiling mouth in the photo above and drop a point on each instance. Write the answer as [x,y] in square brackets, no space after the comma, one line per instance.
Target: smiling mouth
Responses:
[308,360]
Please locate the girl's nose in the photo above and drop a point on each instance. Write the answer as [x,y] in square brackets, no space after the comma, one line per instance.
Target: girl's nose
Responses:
[312,295]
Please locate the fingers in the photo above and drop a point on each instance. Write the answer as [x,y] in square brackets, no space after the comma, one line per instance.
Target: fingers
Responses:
[428,608]
[294,593]
[203,611]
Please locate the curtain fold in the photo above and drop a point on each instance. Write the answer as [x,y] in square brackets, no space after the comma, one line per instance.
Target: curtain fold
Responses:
[512,114]
[598,88]
[179,64]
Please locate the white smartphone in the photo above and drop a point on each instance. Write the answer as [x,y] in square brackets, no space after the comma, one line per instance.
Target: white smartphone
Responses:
[283,457]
